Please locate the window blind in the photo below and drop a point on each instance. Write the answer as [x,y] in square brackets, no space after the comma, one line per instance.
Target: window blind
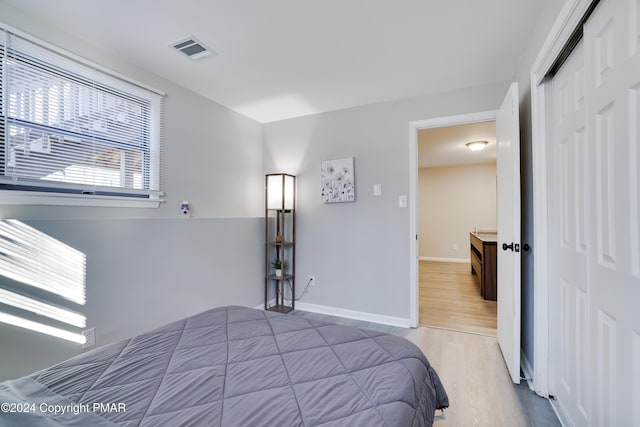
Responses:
[66,126]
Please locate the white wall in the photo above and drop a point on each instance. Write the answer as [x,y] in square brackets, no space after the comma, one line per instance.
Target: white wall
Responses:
[453,200]
[359,252]
[147,267]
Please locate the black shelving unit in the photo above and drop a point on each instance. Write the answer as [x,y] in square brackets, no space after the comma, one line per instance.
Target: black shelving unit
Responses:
[280,219]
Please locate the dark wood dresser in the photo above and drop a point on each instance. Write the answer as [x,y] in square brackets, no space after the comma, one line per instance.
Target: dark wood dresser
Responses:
[484,263]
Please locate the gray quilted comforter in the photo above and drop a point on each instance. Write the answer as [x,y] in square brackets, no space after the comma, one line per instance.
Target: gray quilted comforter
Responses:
[234,366]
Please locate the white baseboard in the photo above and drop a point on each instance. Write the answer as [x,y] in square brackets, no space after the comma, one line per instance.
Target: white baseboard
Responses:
[349,314]
[459,260]
[352,314]
[271,302]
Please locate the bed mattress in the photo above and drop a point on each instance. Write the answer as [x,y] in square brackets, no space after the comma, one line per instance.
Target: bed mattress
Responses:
[235,366]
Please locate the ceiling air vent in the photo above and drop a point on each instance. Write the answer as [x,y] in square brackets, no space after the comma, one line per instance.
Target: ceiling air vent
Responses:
[193,48]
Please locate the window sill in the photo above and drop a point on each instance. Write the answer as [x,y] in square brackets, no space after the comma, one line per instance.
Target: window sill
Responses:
[13,197]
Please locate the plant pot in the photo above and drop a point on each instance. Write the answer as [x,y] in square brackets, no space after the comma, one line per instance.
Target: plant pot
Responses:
[279,273]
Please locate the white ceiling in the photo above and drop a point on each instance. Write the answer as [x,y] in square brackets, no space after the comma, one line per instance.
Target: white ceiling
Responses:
[445,146]
[279,59]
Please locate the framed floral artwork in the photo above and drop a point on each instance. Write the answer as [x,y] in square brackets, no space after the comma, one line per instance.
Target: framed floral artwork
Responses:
[338,181]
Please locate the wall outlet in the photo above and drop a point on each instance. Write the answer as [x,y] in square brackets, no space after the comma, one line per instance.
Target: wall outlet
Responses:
[454,246]
[90,335]
[312,281]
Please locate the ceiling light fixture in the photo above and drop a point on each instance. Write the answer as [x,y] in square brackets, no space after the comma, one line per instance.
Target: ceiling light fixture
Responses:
[476,145]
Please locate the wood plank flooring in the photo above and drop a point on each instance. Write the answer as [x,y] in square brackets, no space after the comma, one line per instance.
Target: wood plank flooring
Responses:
[449,297]
[478,384]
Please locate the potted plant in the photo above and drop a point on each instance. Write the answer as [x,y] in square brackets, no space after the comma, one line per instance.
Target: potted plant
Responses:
[279,265]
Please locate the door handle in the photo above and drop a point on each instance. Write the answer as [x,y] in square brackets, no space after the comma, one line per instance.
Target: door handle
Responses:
[515,247]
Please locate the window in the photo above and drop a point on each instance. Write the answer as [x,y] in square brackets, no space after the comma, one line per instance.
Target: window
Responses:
[69,128]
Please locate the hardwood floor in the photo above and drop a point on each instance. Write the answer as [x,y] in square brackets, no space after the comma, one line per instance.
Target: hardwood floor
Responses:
[450,298]
[478,384]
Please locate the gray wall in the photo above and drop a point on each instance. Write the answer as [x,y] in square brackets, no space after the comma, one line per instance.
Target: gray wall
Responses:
[147,267]
[142,274]
[359,252]
[547,17]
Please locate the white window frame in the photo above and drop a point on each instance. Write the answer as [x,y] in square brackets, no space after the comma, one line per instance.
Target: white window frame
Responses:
[153,196]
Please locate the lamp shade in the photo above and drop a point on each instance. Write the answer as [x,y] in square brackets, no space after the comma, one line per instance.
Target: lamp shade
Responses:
[280,191]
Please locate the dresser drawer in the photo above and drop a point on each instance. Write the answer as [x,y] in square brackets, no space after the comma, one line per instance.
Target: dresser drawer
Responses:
[483,257]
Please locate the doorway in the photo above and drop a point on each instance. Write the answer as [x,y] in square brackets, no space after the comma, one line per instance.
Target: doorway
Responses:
[457,196]
[414,128]
[508,220]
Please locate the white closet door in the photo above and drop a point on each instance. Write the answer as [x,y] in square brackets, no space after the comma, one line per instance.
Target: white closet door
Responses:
[594,216]
[612,90]
[568,239]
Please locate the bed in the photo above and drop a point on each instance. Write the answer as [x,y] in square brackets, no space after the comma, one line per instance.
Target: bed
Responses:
[235,366]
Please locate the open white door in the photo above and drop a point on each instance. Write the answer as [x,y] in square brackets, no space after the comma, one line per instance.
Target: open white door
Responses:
[508,169]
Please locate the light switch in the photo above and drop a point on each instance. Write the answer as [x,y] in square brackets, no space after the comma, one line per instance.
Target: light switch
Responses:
[402,201]
[377,189]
